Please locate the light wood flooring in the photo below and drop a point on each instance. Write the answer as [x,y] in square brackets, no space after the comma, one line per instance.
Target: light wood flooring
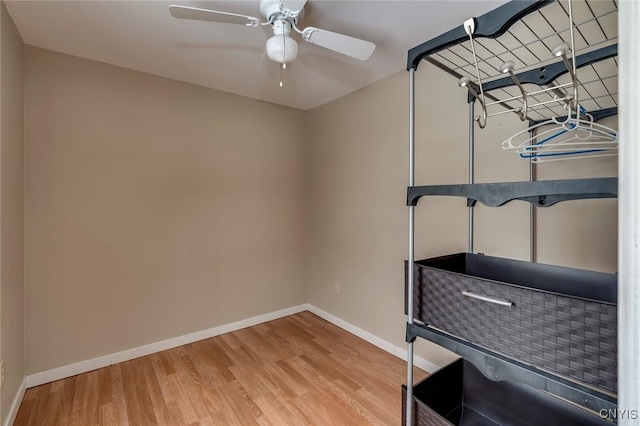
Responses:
[295,370]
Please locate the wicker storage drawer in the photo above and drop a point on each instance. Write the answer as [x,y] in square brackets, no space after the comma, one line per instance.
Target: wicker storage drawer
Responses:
[559,319]
[459,394]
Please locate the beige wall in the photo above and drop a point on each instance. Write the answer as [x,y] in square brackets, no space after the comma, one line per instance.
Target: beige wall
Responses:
[357,214]
[154,208]
[11,211]
[582,233]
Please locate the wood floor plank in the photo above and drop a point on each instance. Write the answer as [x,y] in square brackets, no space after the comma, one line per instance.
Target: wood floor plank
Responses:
[348,398]
[26,409]
[236,410]
[192,384]
[92,397]
[274,412]
[181,399]
[297,370]
[104,390]
[205,368]
[139,407]
[79,407]
[106,415]
[42,401]
[52,417]
[294,376]
[163,415]
[120,415]
[256,382]
[300,417]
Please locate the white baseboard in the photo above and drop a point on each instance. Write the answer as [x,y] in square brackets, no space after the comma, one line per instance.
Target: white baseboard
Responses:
[15,406]
[129,354]
[420,362]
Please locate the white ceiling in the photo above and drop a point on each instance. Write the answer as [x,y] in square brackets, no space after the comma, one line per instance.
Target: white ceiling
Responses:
[142,35]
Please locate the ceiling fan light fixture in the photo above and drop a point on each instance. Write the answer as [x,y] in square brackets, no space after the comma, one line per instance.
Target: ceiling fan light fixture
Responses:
[283,16]
[282,49]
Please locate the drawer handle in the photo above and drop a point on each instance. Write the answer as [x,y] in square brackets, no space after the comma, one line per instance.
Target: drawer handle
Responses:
[488,299]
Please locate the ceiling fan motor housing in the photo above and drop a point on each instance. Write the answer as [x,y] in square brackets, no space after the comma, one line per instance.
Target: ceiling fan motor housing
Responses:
[273,10]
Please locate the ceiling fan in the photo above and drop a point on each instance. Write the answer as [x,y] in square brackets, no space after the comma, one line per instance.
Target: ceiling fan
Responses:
[283,16]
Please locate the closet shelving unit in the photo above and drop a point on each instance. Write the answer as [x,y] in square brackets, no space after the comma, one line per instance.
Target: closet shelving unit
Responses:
[525,33]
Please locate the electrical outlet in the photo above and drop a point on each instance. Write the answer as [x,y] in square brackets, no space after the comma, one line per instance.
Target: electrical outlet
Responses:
[336,288]
[1,373]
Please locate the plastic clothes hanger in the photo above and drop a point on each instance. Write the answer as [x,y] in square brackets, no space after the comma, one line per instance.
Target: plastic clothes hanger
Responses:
[574,137]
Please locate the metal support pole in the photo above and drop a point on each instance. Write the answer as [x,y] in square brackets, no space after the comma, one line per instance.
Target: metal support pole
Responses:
[412,176]
[471,170]
[629,214]
[532,208]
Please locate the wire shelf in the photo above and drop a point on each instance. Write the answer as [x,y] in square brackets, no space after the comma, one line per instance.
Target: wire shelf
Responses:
[529,44]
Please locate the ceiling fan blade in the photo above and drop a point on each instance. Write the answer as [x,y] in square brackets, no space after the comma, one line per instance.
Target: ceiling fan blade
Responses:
[293,5]
[350,46]
[186,12]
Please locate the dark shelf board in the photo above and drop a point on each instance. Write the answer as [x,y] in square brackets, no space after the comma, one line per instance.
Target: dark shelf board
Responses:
[499,367]
[540,193]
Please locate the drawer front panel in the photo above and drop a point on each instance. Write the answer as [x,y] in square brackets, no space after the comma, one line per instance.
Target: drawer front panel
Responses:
[569,336]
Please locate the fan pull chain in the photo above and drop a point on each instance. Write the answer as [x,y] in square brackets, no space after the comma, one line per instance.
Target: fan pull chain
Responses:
[284,55]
